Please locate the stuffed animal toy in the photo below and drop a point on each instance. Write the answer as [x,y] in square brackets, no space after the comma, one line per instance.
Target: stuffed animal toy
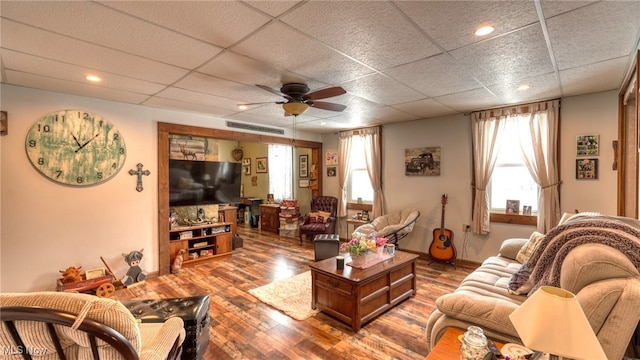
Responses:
[135,272]
[71,274]
[177,262]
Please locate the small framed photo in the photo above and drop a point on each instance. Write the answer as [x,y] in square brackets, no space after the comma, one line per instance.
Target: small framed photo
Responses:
[526,210]
[587,169]
[246,166]
[261,165]
[303,183]
[4,123]
[95,273]
[303,166]
[270,199]
[588,145]
[331,171]
[513,207]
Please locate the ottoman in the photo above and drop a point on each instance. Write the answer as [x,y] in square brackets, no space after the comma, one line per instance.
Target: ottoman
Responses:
[326,246]
[194,311]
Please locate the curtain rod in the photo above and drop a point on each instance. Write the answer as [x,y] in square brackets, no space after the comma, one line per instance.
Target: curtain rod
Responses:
[511,106]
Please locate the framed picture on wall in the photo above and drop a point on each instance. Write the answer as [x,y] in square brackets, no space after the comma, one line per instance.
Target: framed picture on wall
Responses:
[246,166]
[261,165]
[303,166]
[588,145]
[587,169]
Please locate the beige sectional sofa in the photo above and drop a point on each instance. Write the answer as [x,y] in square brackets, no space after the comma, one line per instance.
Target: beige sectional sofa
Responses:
[594,257]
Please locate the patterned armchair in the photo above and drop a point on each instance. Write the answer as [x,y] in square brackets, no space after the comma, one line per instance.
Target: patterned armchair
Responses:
[321,219]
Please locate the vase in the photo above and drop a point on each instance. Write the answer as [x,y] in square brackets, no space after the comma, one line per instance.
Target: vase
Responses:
[380,250]
[363,258]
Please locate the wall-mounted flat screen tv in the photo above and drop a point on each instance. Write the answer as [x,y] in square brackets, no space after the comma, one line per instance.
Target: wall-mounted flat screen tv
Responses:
[204,182]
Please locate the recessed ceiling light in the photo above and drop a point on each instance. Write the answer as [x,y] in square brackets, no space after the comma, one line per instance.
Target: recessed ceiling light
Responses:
[93,78]
[485,30]
[523,87]
[242,107]
[323,123]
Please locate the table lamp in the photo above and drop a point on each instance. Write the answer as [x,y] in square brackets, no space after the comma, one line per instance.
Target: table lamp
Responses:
[552,321]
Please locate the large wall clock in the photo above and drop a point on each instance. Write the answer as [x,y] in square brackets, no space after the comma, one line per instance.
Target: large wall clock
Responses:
[75,147]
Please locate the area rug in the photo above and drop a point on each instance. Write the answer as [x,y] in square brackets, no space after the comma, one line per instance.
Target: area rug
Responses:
[292,296]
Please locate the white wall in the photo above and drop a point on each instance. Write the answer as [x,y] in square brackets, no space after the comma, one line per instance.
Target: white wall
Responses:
[589,114]
[48,227]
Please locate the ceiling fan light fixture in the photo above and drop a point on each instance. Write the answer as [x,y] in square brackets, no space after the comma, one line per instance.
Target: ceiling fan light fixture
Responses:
[295,108]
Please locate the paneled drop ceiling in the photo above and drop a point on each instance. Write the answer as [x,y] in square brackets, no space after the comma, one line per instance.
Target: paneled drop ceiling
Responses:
[398,60]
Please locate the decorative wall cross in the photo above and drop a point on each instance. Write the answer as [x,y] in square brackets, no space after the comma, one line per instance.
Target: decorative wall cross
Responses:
[139,172]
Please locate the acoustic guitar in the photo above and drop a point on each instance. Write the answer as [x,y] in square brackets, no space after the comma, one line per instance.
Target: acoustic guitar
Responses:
[442,248]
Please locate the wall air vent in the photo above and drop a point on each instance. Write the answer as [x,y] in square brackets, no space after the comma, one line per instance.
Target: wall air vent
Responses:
[233,124]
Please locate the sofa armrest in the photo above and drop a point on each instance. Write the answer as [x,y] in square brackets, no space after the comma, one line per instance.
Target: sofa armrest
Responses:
[487,312]
[159,339]
[510,247]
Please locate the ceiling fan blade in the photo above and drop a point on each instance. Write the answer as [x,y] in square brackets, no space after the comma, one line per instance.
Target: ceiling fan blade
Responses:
[326,105]
[325,93]
[262,103]
[274,91]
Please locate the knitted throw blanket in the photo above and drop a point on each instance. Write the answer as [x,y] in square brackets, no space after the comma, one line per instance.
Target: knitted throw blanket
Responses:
[546,261]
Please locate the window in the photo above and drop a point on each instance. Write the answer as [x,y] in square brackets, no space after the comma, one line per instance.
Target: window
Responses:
[359,182]
[511,179]
[280,171]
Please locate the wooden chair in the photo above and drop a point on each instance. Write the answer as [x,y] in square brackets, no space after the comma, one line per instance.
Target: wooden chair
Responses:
[324,204]
[80,326]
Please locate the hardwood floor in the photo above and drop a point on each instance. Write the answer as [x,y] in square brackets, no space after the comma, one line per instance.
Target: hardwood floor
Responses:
[242,327]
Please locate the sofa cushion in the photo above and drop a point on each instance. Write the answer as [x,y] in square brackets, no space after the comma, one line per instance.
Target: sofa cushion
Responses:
[527,250]
[510,247]
[485,311]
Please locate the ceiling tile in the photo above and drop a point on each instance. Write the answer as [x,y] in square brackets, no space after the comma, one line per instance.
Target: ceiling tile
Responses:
[97,24]
[388,114]
[545,86]
[381,89]
[38,66]
[602,76]
[221,23]
[199,98]
[70,87]
[469,100]
[376,33]
[173,104]
[427,108]
[551,8]
[234,92]
[527,56]
[436,76]
[281,46]
[597,32]
[240,68]
[273,8]
[84,54]
[452,23]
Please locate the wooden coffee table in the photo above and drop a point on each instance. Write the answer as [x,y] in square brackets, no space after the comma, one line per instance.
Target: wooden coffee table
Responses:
[356,296]
[448,347]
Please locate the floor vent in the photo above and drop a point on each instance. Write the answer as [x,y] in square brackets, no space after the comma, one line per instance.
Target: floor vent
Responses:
[233,124]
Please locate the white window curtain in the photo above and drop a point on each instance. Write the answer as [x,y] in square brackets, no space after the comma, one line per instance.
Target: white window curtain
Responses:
[538,132]
[485,131]
[280,171]
[538,141]
[371,140]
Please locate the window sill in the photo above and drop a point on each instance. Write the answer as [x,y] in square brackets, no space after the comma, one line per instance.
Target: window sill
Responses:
[356,206]
[517,219]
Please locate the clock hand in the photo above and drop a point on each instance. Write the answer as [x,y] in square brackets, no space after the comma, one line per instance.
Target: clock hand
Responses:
[85,144]
[76,139]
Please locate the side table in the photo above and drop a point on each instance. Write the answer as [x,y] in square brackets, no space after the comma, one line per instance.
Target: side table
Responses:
[355,223]
[448,347]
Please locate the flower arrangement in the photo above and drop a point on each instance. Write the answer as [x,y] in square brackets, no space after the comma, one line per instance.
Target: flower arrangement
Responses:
[363,244]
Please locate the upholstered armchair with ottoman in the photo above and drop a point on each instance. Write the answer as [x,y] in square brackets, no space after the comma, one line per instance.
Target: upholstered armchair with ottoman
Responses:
[58,325]
[394,225]
[321,219]
[595,257]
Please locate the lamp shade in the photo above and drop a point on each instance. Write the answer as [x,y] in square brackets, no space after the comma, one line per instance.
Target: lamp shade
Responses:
[295,108]
[552,321]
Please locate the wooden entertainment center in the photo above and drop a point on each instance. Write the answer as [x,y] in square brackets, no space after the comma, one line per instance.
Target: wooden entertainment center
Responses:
[167,249]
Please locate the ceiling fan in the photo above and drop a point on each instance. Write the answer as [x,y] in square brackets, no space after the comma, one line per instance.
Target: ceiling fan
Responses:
[298,98]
